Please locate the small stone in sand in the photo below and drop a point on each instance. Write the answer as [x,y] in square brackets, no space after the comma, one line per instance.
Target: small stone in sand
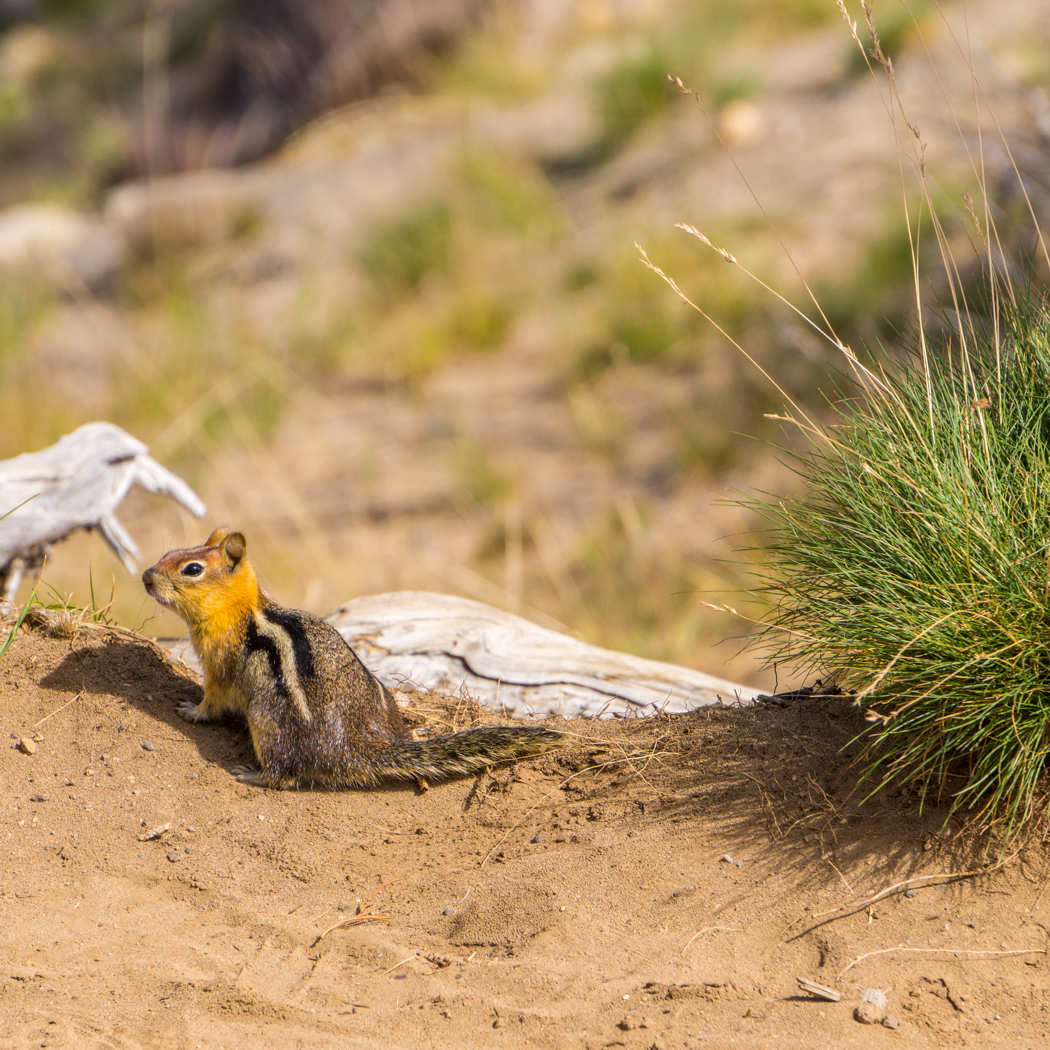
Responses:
[869,1013]
[26,746]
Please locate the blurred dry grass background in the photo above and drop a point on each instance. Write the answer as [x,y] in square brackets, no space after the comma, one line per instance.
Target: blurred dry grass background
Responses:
[371,283]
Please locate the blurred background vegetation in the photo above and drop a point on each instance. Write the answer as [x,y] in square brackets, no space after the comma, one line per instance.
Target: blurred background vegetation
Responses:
[364,273]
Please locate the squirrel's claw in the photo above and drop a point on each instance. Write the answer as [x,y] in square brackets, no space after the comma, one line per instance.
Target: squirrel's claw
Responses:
[190,711]
[248,775]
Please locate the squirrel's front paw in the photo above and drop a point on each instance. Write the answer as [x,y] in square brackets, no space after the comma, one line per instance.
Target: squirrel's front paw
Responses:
[190,711]
[248,775]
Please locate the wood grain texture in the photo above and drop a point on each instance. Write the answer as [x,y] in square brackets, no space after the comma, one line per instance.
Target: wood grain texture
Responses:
[77,483]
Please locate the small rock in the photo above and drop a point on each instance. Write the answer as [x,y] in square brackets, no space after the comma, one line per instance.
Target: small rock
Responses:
[909,893]
[869,1013]
[68,248]
[741,123]
[37,798]
[889,1021]
[448,911]
[174,856]
[155,833]
[26,746]
[875,996]
[725,859]
[147,746]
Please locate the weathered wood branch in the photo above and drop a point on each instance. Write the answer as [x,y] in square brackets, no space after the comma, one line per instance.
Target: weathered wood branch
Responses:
[415,640]
[77,483]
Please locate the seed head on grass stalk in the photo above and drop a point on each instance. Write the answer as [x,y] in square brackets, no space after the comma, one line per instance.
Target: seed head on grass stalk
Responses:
[917,563]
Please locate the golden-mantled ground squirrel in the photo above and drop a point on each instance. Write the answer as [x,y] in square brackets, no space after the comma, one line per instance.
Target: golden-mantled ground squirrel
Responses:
[316,714]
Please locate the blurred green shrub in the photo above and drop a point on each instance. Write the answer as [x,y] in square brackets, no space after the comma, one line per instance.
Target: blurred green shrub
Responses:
[400,253]
[636,90]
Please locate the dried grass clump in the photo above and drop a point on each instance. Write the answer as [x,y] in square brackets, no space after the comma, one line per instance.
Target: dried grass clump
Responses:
[917,562]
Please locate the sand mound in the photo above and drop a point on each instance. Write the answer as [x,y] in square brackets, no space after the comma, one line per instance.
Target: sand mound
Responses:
[640,890]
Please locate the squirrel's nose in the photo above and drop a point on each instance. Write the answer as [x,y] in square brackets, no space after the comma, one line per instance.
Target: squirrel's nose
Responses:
[147,580]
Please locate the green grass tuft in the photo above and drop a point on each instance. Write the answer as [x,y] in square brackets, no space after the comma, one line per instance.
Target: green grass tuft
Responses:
[917,563]
[399,254]
[630,94]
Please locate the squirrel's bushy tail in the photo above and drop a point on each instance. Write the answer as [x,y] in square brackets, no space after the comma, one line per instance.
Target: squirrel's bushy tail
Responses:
[460,754]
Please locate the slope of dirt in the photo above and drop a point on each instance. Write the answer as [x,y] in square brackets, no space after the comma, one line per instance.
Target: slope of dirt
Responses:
[651,887]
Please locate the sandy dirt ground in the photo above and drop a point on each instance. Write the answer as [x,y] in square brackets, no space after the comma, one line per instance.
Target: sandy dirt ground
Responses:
[660,884]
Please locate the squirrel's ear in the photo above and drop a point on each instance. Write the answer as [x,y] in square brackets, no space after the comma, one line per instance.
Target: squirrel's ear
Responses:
[233,548]
[217,536]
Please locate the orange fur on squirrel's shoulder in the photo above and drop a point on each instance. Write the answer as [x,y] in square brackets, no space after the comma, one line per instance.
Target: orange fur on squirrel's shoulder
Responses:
[213,588]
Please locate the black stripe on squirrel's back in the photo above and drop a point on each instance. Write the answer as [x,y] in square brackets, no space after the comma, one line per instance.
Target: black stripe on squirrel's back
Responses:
[293,624]
[260,643]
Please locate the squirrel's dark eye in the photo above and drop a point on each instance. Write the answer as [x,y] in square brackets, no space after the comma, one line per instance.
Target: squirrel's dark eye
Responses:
[194,568]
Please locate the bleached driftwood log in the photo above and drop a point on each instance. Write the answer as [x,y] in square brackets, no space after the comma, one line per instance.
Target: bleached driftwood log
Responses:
[77,483]
[419,640]
[438,641]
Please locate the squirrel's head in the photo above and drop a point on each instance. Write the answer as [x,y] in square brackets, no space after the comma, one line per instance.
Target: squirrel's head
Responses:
[210,584]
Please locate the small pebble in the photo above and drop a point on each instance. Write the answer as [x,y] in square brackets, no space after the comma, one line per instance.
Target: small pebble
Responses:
[630,1024]
[147,746]
[869,1013]
[889,1021]
[909,893]
[26,746]
[174,856]
[37,798]
[725,859]
[448,911]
